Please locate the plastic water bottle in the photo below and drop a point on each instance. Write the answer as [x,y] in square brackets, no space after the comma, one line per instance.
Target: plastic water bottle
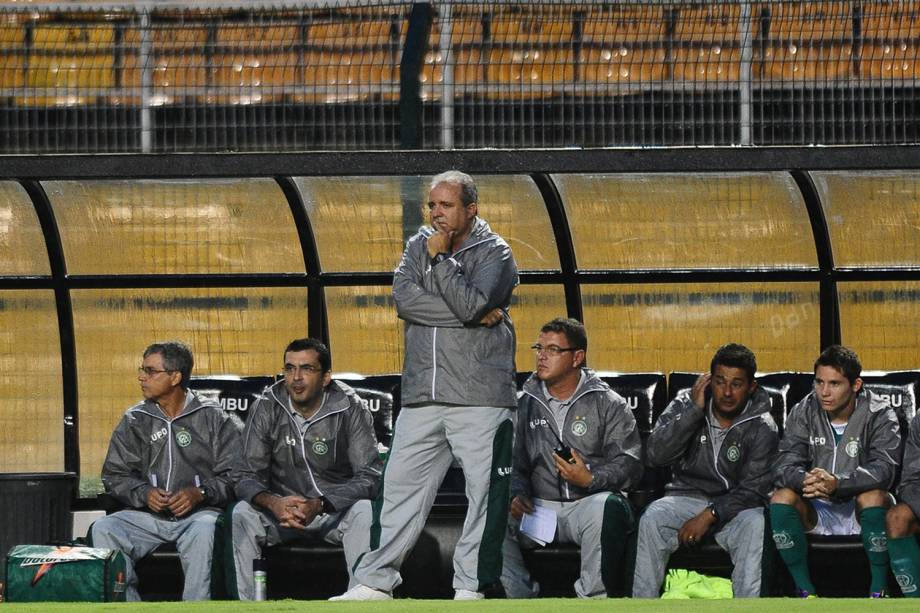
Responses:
[260,576]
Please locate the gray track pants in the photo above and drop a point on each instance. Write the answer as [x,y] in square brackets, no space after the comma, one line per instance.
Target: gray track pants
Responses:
[426,441]
[137,533]
[580,522]
[254,529]
[742,538]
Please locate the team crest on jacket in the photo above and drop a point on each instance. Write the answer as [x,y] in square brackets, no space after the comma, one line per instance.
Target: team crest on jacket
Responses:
[320,447]
[852,448]
[579,426]
[733,453]
[183,438]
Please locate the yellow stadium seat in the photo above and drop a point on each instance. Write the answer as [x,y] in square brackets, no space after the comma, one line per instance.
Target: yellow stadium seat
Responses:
[624,23]
[796,62]
[529,72]
[334,76]
[350,34]
[174,79]
[12,73]
[253,78]
[707,64]
[69,38]
[623,65]
[890,20]
[887,61]
[12,36]
[532,26]
[278,37]
[169,38]
[711,22]
[809,21]
[68,80]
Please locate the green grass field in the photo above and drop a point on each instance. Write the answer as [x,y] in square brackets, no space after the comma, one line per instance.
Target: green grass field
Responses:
[544,605]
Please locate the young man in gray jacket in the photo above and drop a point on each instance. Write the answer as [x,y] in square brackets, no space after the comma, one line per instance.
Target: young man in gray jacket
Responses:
[170,460]
[452,289]
[839,456]
[720,441]
[308,467]
[576,450]
[901,523]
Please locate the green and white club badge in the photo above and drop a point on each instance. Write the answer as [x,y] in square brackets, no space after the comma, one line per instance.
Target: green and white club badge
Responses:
[183,438]
[579,427]
[852,448]
[320,447]
[733,453]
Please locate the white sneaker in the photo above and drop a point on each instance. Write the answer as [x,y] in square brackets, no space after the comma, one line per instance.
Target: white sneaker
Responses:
[468,595]
[362,592]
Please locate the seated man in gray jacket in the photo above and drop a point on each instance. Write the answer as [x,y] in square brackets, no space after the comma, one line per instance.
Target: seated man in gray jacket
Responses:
[902,523]
[308,467]
[170,460]
[838,458]
[720,441]
[576,450]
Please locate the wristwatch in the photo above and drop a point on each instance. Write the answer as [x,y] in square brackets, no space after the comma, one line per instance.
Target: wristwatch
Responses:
[712,509]
[438,258]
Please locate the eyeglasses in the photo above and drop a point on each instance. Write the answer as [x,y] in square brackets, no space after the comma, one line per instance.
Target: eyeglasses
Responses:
[307,369]
[552,350]
[149,371]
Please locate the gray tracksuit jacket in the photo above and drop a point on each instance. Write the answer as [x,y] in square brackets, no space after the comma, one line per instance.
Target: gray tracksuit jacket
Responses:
[598,424]
[909,489]
[148,450]
[740,477]
[450,357]
[336,458]
[867,457]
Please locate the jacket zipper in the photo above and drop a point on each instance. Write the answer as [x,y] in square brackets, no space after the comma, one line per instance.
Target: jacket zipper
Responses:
[434,360]
[715,459]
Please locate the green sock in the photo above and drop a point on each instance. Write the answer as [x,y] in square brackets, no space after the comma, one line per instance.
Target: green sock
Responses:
[905,564]
[872,521]
[789,536]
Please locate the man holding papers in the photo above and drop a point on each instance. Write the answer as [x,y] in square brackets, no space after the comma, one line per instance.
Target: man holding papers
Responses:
[575,450]
[720,442]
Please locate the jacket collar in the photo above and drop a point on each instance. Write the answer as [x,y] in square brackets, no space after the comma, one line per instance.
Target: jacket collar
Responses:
[592,383]
[336,400]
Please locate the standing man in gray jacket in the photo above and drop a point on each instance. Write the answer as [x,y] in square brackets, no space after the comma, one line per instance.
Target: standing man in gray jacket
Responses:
[576,450]
[720,441]
[309,465]
[838,458]
[452,290]
[170,460]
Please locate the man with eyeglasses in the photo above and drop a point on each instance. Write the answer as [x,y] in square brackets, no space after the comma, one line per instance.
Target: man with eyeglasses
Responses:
[576,451]
[169,460]
[838,459]
[452,289]
[720,441]
[308,467]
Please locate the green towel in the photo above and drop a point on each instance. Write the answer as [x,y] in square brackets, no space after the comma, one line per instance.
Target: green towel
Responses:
[681,583]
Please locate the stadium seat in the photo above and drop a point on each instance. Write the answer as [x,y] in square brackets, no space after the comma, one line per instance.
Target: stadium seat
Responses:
[381,396]
[530,72]
[348,75]
[624,23]
[254,63]
[890,21]
[235,394]
[712,63]
[890,61]
[717,23]
[809,21]
[795,62]
[178,66]
[622,65]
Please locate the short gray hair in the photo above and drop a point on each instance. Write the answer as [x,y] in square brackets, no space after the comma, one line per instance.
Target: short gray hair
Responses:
[468,191]
[177,357]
